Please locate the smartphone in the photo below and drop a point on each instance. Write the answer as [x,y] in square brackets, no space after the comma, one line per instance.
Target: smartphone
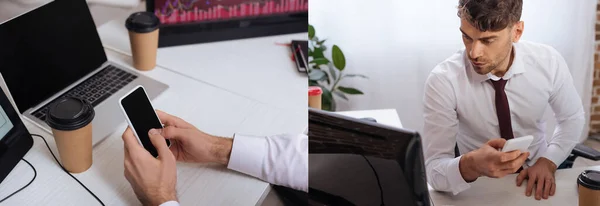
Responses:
[520,143]
[300,52]
[141,117]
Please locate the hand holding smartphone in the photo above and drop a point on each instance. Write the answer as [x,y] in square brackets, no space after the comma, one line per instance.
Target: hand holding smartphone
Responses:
[141,116]
[520,143]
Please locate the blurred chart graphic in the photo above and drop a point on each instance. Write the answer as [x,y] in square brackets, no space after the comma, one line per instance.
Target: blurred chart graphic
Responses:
[182,11]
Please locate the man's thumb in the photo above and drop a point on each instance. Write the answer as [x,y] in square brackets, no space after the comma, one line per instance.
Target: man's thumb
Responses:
[159,142]
[497,143]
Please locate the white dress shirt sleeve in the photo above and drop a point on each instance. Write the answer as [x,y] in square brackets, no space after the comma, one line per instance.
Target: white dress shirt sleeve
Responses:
[439,136]
[170,203]
[568,111]
[279,159]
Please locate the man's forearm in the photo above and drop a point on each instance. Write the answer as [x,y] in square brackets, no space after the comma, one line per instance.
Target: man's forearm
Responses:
[567,135]
[221,150]
[466,168]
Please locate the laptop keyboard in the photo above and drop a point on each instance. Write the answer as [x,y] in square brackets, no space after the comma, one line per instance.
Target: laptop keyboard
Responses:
[96,88]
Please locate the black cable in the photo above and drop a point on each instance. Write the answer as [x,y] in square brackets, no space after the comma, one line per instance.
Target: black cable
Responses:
[34,175]
[378,182]
[65,170]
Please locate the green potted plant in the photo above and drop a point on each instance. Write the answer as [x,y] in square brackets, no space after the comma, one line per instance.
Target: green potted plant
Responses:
[327,73]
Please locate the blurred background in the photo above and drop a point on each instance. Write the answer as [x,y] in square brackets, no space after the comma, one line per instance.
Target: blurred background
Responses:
[395,44]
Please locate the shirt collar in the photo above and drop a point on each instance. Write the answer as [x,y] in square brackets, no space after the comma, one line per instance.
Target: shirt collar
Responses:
[517,67]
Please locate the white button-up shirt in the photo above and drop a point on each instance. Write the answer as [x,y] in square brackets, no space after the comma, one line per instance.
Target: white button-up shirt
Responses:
[278,159]
[459,108]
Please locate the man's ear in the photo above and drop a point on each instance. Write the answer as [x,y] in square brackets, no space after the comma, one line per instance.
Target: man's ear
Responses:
[517,31]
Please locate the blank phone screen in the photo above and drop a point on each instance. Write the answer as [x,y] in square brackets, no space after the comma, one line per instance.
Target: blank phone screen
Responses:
[142,116]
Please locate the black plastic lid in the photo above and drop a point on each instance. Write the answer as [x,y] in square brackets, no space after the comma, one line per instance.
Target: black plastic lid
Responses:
[69,113]
[589,179]
[142,22]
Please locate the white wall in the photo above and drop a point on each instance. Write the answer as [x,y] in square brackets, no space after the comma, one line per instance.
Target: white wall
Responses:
[396,43]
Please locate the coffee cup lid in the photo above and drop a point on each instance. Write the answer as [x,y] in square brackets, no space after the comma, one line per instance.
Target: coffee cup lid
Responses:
[590,179]
[142,22]
[69,113]
[314,91]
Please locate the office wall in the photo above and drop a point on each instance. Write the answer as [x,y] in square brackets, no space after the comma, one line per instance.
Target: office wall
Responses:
[396,43]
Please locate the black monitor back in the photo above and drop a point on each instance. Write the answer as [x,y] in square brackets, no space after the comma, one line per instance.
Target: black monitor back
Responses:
[395,154]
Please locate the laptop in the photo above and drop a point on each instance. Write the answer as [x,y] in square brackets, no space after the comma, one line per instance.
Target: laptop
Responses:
[54,51]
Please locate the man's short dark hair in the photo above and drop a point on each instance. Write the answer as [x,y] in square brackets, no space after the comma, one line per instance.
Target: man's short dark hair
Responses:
[490,15]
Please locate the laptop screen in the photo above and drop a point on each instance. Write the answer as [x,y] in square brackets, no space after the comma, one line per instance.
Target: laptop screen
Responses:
[47,49]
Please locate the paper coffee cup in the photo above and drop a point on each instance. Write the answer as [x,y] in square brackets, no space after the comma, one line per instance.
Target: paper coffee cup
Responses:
[315,97]
[589,188]
[70,119]
[143,38]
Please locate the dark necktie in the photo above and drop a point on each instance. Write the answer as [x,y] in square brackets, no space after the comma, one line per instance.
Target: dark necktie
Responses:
[503,110]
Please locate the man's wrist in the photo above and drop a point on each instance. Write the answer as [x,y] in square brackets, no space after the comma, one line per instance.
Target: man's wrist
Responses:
[465,166]
[550,165]
[162,198]
[221,150]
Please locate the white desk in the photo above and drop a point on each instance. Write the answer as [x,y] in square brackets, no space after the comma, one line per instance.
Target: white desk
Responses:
[256,68]
[210,108]
[503,191]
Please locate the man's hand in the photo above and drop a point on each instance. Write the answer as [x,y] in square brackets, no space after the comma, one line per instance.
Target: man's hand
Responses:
[540,174]
[189,144]
[153,179]
[488,161]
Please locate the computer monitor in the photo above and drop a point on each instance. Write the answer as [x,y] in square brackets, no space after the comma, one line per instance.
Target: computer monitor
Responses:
[200,21]
[359,162]
[15,140]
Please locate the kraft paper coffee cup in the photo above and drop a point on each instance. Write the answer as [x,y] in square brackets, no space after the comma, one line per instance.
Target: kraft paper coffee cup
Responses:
[315,97]
[143,37]
[71,122]
[589,188]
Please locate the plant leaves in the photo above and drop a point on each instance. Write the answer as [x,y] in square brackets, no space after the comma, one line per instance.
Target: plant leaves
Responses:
[356,75]
[311,31]
[320,61]
[340,94]
[338,58]
[326,98]
[318,53]
[313,83]
[332,72]
[349,90]
[321,42]
[316,74]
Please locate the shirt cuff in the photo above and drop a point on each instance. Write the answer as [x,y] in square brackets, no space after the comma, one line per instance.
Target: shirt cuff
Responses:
[455,179]
[170,203]
[247,154]
[555,154]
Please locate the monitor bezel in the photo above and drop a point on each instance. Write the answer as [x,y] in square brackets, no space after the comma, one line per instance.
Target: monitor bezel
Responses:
[16,143]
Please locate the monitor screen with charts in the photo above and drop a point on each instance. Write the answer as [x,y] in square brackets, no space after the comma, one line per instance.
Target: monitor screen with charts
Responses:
[185,11]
